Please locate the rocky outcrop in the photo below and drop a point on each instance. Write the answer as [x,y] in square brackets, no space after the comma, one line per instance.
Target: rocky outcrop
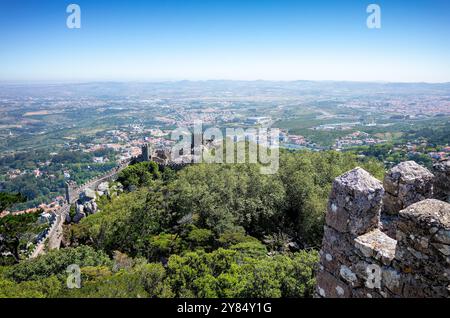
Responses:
[103,188]
[358,259]
[85,205]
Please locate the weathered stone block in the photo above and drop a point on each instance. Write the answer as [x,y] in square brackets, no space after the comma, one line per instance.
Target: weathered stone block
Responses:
[441,171]
[441,236]
[348,275]
[424,227]
[331,287]
[337,217]
[336,241]
[405,184]
[355,202]
[378,245]
[330,261]
[391,279]
[430,216]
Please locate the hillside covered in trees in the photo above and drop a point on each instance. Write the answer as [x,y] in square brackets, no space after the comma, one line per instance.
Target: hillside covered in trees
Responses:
[208,230]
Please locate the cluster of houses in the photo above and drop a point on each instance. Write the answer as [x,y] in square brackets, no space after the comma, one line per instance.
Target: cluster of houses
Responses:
[357,138]
[47,211]
[444,154]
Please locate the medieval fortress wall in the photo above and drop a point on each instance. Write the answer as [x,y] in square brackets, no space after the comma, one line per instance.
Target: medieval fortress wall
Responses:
[73,192]
[389,239]
[161,157]
[53,237]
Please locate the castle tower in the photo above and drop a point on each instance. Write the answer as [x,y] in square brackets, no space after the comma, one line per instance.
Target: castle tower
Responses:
[67,188]
[146,152]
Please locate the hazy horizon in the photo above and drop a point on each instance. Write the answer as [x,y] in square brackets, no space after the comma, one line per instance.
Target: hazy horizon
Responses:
[156,81]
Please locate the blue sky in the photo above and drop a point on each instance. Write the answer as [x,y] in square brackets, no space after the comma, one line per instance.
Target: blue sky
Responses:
[225,39]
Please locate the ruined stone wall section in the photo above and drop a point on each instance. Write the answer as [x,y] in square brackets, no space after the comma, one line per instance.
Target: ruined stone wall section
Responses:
[360,258]
[441,172]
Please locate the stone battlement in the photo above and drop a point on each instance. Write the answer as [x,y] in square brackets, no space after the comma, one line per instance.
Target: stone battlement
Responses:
[73,191]
[160,156]
[389,239]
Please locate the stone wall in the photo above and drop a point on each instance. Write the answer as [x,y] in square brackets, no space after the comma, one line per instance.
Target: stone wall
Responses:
[405,184]
[73,192]
[441,171]
[53,236]
[385,240]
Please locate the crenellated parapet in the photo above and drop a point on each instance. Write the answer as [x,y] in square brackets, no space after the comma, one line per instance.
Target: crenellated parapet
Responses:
[73,190]
[405,184]
[441,171]
[361,256]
